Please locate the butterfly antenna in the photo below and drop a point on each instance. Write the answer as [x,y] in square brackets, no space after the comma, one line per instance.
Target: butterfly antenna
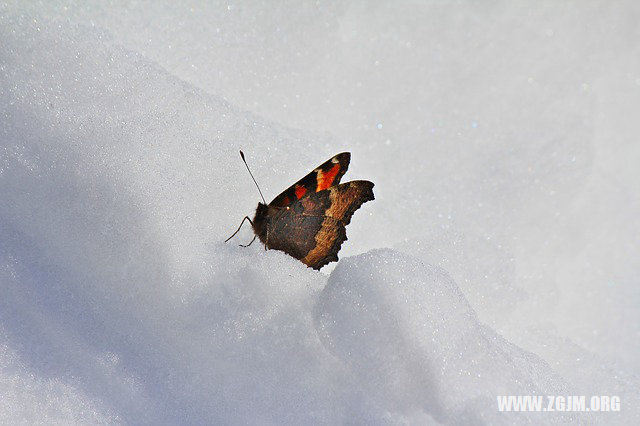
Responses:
[254,179]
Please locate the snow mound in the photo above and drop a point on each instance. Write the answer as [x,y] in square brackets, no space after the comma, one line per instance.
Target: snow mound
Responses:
[503,152]
[411,339]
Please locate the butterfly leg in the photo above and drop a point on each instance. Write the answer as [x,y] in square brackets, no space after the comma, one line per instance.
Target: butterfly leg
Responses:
[238,230]
[247,245]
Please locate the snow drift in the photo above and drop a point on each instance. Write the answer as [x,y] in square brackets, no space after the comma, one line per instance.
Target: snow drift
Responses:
[504,164]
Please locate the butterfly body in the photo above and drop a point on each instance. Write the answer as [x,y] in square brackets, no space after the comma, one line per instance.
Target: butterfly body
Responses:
[308,220]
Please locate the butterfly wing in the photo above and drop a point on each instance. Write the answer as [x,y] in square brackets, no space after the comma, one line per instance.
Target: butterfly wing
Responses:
[322,177]
[313,228]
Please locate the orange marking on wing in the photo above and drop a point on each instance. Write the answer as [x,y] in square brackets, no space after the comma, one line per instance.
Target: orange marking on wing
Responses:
[300,191]
[325,180]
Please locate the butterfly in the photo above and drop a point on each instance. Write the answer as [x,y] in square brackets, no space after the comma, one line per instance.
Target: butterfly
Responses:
[308,220]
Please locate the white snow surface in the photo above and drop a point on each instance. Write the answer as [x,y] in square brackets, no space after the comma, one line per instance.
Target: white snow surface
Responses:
[500,256]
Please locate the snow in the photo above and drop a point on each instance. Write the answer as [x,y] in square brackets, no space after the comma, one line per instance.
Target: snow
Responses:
[499,257]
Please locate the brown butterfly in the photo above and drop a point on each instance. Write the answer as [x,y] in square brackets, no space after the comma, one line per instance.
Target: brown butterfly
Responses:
[308,221]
